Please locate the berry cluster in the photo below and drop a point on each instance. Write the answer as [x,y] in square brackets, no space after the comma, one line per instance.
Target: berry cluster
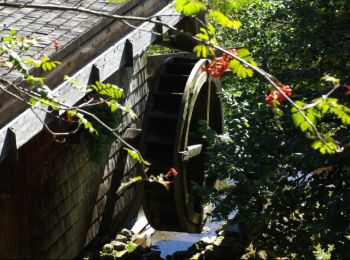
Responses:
[276,96]
[217,67]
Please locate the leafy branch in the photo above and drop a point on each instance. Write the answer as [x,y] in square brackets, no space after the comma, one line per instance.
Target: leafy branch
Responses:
[238,64]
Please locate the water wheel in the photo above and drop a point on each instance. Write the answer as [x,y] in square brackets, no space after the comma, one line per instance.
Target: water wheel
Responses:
[181,96]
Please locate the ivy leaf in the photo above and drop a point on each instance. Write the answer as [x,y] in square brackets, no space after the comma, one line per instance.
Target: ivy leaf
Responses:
[189,7]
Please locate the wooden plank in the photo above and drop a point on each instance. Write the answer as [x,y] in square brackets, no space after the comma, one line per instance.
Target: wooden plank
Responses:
[28,124]
[191,151]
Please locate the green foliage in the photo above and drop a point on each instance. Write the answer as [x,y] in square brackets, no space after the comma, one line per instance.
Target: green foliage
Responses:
[238,68]
[82,121]
[46,64]
[291,197]
[223,20]
[131,246]
[136,156]
[321,254]
[125,185]
[189,7]
[206,35]
[114,105]
[107,89]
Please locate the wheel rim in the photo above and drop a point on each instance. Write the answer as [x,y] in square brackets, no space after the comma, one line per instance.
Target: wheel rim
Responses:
[170,131]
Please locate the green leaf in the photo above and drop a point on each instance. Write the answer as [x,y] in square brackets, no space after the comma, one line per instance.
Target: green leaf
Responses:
[317,144]
[46,64]
[83,121]
[114,105]
[201,50]
[13,31]
[204,35]
[136,156]
[329,147]
[243,52]
[223,20]
[239,69]
[331,79]
[107,89]
[189,7]
[211,28]
[15,59]
[125,185]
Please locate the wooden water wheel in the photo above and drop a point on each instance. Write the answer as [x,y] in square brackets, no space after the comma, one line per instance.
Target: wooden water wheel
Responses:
[181,96]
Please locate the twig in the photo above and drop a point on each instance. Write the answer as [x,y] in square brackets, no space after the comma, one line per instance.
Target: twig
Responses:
[271,79]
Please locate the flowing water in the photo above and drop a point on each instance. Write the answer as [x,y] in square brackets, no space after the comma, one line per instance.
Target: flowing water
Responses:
[170,242]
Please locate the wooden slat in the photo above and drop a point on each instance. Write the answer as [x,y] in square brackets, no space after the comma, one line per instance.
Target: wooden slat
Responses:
[27,125]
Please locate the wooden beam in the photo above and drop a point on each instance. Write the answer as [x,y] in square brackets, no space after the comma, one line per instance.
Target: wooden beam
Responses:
[129,53]
[191,151]
[28,124]
[94,75]
[13,153]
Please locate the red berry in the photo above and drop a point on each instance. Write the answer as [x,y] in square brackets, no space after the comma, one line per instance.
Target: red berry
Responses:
[228,57]
[56,44]
[275,95]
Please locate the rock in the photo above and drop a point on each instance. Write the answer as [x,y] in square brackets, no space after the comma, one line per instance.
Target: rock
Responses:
[197,256]
[127,233]
[117,245]
[218,241]
[220,233]
[143,240]
[107,249]
[197,246]
[228,241]
[106,257]
[181,255]
[153,255]
[232,230]
[205,230]
[208,240]
[121,238]
[209,248]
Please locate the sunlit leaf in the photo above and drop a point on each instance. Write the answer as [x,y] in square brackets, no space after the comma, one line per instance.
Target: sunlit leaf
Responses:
[189,7]
[107,89]
[136,156]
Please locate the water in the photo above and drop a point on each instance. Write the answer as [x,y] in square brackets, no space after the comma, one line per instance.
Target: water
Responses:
[170,242]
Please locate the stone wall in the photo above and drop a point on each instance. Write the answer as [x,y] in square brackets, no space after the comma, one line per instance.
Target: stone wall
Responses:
[65,200]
